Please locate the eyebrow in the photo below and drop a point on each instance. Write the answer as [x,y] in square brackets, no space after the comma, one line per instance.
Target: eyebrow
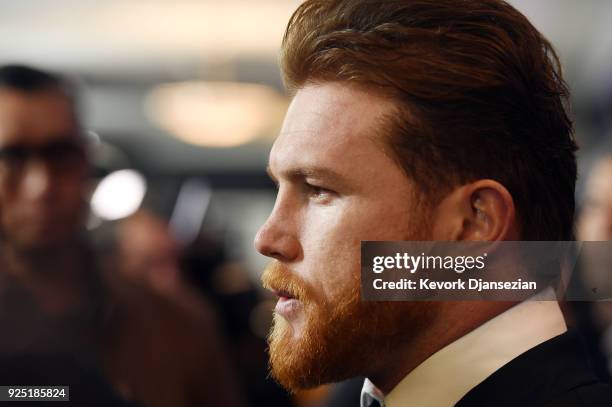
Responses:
[321,173]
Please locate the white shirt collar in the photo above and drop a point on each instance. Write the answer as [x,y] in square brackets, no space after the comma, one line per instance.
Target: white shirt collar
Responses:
[447,375]
[369,393]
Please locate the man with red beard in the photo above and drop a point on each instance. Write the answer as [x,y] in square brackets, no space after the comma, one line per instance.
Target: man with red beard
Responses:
[419,120]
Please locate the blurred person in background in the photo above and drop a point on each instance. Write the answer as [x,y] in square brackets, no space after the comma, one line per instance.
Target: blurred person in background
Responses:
[51,302]
[245,315]
[427,121]
[62,314]
[595,220]
[151,255]
[166,342]
[182,284]
[594,223]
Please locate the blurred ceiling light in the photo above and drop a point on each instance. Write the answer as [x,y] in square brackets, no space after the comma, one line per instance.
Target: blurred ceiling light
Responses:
[127,33]
[118,195]
[216,114]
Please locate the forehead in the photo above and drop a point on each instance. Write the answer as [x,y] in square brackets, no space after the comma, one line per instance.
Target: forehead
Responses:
[331,125]
[34,118]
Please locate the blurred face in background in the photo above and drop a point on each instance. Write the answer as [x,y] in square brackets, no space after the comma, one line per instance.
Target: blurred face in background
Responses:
[43,169]
[336,186]
[595,222]
[149,252]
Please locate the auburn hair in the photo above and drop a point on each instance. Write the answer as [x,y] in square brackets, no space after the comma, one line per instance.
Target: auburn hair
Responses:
[478,90]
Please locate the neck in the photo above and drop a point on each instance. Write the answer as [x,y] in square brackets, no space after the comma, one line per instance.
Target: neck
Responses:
[456,319]
[40,263]
[52,276]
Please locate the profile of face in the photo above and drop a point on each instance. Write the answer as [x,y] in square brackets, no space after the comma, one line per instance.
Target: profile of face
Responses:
[43,169]
[337,185]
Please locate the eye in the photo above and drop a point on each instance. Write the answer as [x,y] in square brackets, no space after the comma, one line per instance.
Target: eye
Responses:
[13,156]
[318,193]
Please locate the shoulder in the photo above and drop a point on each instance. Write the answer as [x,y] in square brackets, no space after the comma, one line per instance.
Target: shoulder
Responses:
[596,394]
[555,373]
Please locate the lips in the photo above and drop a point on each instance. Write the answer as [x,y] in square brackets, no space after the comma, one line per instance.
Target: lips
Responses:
[287,287]
[283,294]
[287,305]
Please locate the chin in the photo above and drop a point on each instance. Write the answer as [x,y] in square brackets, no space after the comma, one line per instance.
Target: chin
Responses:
[40,240]
[293,329]
[302,355]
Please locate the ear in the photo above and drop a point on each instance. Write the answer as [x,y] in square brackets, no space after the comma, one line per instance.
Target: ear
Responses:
[481,210]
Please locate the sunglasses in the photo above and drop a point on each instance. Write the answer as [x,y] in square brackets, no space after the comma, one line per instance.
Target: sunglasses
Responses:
[61,155]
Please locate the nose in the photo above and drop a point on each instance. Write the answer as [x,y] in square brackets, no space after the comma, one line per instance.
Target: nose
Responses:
[276,238]
[37,181]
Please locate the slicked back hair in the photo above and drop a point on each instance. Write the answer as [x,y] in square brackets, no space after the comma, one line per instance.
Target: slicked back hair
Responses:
[478,90]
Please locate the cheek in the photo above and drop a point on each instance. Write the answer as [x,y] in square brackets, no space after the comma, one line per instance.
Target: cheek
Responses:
[331,237]
[71,192]
[331,252]
[380,218]
[8,186]
[331,240]
[9,198]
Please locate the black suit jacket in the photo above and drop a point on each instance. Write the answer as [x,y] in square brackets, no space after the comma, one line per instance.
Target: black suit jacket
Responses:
[555,373]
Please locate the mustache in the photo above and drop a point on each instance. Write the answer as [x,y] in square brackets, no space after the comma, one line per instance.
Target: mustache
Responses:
[279,278]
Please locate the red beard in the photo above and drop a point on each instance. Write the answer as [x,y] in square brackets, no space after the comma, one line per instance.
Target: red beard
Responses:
[341,338]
